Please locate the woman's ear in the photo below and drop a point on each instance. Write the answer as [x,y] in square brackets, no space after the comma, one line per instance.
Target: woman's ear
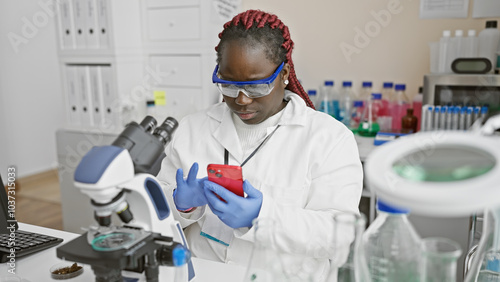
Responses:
[285,73]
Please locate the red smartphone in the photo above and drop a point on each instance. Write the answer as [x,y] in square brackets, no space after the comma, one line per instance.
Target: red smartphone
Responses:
[227,176]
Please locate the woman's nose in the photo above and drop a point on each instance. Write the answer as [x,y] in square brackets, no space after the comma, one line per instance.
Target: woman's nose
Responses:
[243,99]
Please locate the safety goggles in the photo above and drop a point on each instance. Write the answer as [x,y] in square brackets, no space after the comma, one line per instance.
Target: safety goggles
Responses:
[253,89]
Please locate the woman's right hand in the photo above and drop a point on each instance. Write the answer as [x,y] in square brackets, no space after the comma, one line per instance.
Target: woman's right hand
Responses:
[189,192]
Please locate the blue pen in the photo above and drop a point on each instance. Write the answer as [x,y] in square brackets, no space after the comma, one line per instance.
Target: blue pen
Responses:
[437,110]
[442,117]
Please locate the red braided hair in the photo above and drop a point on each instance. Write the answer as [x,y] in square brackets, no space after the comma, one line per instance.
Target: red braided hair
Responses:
[259,19]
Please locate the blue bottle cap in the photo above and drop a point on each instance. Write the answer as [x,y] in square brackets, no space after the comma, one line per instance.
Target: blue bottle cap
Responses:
[484,110]
[444,109]
[457,110]
[437,109]
[347,83]
[451,109]
[476,110]
[464,110]
[311,92]
[376,96]
[179,255]
[381,206]
[328,82]
[388,84]
[400,87]
[367,84]
[358,103]
[469,110]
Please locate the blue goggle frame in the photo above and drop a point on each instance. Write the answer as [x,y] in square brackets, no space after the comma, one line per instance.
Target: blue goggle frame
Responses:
[252,88]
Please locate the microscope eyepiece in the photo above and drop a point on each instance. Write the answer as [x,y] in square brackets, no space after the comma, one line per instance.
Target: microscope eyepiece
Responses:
[148,123]
[165,131]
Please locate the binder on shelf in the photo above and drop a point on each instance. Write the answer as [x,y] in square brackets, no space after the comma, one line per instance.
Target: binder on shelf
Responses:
[96,95]
[84,95]
[111,101]
[102,23]
[79,21]
[66,27]
[72,100]
[91,26]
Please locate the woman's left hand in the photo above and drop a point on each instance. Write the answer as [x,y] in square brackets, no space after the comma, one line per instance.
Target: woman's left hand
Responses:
[237,211]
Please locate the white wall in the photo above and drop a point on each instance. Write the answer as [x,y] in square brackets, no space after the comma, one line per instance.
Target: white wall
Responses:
[31,106]
[396,51]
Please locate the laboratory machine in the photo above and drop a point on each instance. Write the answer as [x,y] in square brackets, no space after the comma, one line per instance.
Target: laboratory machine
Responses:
[447,174]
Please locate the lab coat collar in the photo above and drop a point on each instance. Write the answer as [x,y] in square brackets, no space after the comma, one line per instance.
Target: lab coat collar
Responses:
[294,112]
[225,133]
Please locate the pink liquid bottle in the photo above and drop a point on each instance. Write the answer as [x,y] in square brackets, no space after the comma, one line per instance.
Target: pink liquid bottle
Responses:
[399,106]
[387,97]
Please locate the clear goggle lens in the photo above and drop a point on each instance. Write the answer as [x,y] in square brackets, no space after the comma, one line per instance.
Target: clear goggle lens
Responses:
[250,90]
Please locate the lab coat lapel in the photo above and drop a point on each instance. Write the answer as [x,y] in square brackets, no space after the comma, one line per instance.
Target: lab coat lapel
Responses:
[226,135]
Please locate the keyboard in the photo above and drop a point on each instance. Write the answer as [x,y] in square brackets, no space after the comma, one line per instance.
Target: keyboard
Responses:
[25,243]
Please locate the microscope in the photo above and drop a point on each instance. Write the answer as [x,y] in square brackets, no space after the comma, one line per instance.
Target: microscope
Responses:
[120,179]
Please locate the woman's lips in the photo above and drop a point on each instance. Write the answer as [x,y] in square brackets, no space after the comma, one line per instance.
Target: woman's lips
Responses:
[246,115]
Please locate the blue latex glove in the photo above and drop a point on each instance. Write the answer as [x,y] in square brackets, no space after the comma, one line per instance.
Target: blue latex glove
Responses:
[189,193]
[237,211]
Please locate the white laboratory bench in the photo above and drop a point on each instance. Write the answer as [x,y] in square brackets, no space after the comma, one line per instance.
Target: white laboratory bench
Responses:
[36,267]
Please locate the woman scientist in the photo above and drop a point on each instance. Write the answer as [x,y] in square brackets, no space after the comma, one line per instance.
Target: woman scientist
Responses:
[300,166]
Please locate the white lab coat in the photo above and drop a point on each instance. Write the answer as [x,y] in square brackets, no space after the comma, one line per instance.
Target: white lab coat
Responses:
[307,171]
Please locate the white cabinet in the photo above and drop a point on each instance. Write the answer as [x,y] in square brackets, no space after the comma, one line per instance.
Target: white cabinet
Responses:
[179,41]
[117,55]
[182,23]
[178,70]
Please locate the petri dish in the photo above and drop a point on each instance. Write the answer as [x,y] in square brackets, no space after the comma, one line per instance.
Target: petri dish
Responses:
[113,241]
[65,270]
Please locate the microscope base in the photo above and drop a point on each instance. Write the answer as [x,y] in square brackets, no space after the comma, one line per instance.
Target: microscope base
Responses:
[104,263]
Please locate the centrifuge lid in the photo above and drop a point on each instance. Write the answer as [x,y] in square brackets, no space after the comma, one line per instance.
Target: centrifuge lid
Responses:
[438,173]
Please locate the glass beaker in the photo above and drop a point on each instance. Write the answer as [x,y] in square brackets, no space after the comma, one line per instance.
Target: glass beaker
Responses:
[349,263]
[265,261]
[440,257]
[486,262]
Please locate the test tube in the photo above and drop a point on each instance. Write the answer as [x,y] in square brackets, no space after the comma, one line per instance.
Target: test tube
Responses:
[484,111]
[428,114]
[463,114]
[477,111]
[449,117]
[468,118]
[442,117]
[455,116]
[437,110]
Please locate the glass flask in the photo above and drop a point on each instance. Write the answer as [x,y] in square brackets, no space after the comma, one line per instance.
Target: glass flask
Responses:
[368,125]
[349,263]
[486,261]
[265,262]
[440,257]
[392,246]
